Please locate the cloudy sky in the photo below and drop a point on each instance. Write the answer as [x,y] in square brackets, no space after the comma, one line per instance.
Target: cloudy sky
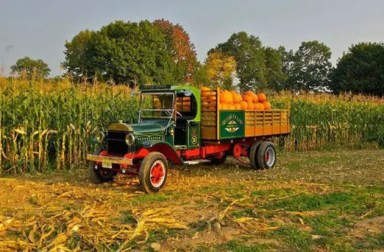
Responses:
[39,28]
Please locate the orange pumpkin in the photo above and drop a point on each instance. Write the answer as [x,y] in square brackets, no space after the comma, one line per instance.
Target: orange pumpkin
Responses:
[267,105]
[247,98]
[204,88]
[226,97]
[244,105]
[262,97]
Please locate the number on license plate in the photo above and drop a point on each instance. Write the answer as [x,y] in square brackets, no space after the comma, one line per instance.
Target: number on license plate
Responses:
[107,165]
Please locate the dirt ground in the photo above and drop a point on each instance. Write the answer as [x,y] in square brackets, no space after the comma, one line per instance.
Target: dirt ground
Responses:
[319,201]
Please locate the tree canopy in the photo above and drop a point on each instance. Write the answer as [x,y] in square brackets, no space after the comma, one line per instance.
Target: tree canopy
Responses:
[181,49]
[249,55]
[124,52]
[31,68]
[257,67]
[220,69]
[361,70]
[161,52]
[309,67]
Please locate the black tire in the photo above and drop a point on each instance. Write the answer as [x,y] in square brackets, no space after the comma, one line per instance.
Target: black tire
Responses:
[153,172]
[218,161]
[266,155]
[253,155]
[99,175]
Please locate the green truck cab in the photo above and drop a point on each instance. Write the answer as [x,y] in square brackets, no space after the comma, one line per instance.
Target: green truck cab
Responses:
[177,126]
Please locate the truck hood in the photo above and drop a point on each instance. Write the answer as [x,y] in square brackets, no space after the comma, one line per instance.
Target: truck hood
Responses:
[140,128]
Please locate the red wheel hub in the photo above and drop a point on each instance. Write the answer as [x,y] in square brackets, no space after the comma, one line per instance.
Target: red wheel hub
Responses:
[266,156]
[157,173]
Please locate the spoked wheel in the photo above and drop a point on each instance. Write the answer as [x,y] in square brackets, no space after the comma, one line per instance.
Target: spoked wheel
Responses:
[153,172]
[98,174]
[266,155]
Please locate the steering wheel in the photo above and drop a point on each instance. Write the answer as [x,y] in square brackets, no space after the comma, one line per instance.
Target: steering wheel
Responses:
[178,114]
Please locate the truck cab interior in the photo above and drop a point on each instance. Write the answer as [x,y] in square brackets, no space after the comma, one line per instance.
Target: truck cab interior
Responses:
[186,106]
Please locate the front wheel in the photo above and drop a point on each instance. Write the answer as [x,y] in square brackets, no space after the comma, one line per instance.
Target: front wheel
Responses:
[153,172]
[98,174]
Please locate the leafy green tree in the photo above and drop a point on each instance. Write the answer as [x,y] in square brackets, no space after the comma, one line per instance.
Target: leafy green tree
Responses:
[274,69]
[76,62]
[122,52]
[31,68]
[309,67]
[250,58]
[200,76]
[361,70]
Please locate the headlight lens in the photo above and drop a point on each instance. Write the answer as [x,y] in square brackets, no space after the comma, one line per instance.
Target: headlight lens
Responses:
[100,137]
[130,139]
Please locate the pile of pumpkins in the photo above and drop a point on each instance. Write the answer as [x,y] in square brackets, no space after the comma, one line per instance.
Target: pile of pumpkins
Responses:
[230,100]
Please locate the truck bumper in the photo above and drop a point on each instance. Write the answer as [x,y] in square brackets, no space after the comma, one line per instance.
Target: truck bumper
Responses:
[109,160]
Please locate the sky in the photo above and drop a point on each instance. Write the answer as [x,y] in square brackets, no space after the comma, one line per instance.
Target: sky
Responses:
[39,28]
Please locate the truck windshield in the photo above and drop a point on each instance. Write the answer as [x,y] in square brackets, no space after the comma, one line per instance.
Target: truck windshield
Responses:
[157,105]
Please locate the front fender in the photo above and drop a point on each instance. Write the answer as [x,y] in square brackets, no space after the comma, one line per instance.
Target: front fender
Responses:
[164,148]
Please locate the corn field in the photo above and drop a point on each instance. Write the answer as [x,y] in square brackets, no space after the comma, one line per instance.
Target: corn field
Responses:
[326,121]
[51,126]
[46,125]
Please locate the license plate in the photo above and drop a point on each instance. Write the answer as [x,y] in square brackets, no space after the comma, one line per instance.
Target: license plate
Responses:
[107,165]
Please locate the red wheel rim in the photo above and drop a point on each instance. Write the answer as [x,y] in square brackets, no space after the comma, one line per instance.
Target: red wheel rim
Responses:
[266,156]
[157,173]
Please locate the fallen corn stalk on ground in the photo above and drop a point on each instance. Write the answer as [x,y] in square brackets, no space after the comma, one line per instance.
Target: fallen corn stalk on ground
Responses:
[310,201]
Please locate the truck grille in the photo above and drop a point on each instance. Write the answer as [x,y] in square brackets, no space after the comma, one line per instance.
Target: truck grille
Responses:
[140,140]
[116,143]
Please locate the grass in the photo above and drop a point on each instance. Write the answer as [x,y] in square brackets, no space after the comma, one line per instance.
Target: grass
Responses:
[330,201]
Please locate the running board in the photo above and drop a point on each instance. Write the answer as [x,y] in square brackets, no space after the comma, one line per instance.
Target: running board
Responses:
[197,161]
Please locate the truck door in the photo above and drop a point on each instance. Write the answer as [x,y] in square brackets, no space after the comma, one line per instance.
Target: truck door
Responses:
[193,134]
[187,127]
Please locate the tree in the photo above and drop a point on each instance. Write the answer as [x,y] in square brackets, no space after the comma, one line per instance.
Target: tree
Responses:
[76,62]
[361,70]
[122,52]
[220,70]
[31,68]
[274,69]
[309,67]
[250,58]
[182,50]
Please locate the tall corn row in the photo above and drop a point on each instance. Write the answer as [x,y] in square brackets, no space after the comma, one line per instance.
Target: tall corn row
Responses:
[320,121]
[51,126]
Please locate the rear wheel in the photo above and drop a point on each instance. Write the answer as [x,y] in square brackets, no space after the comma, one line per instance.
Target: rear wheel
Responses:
[153,172]
[266,155]
[253,155]
[98,174]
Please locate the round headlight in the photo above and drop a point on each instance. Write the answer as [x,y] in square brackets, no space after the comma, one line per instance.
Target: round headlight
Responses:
[100,137]
[130,139]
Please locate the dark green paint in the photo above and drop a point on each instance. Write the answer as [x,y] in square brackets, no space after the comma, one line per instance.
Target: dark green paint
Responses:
[231,124]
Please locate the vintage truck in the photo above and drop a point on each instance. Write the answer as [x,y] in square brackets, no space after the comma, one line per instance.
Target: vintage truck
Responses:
[184,125]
